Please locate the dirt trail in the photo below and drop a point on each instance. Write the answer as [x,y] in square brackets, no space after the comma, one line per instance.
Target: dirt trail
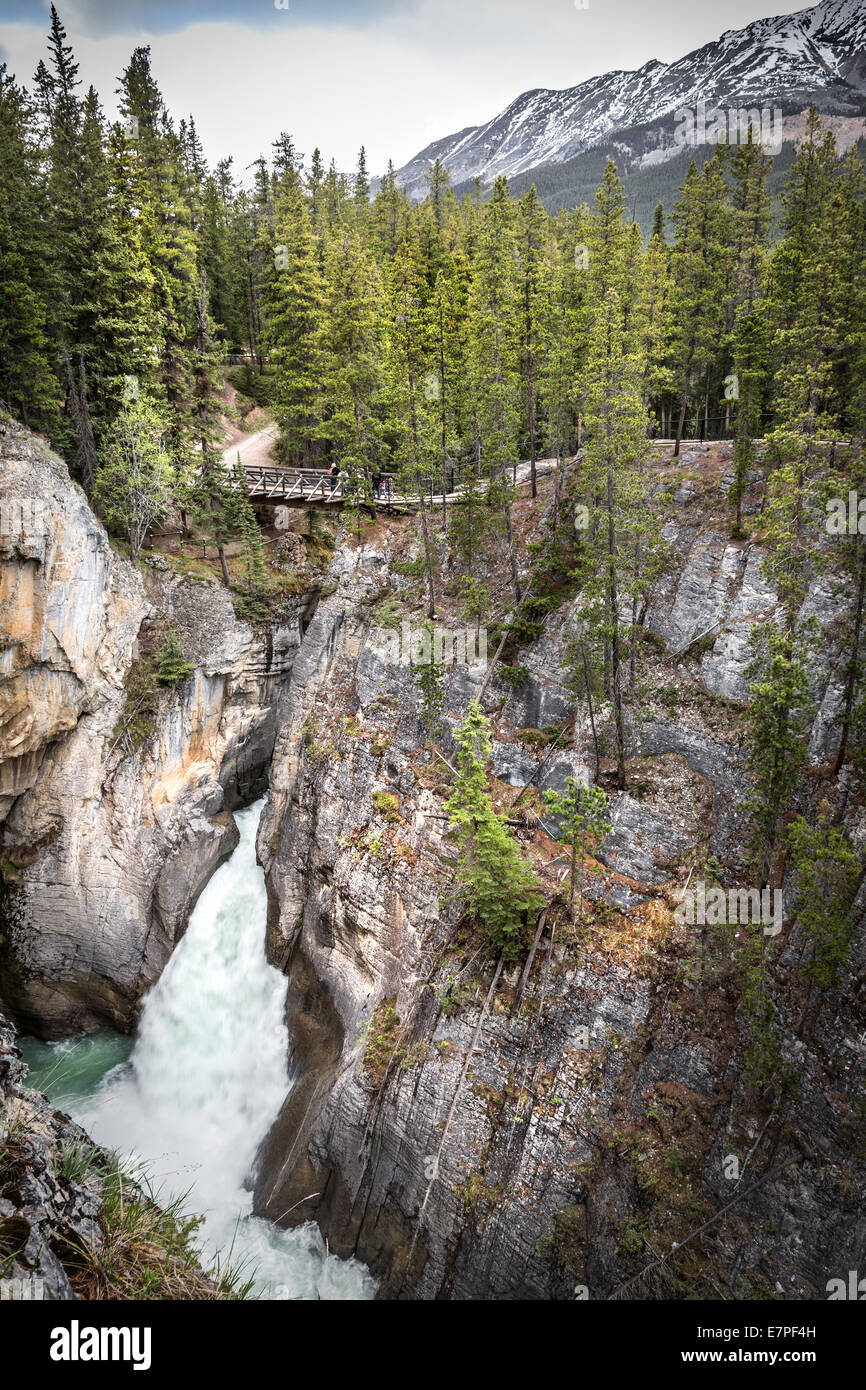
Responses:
[254,449]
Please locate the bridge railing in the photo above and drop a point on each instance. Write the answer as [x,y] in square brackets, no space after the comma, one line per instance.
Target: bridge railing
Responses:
[305,484]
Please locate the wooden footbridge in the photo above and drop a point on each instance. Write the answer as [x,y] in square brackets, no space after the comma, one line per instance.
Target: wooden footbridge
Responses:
[304,485]
[285,486]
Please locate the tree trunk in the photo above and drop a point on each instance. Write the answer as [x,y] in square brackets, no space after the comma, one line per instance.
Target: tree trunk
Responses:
[442,417]
[614,634]
[512,555]
[81,419]
[224,567]
[591,715]
[682,420]
[530,392]
[428,556]
[851,680]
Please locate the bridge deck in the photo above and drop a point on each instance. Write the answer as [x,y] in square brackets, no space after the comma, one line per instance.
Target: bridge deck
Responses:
[278,484]
[275,483]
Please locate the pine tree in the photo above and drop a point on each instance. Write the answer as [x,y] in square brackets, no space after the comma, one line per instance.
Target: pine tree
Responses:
[171,665]
[294,299]
[501,889]
[242,520]
[132,479]
[389,216]
[28,381]
[828,873]
[362,189]
[580,810]
[438,183]
[472,523]
[657,322]
[350,352]
[699,272]
[410,421]
[316,193]
[778,718]
[212,495]
[616,440]
[428,677]
[446,383]
[808,306]
[532,289]
[494,365]
[748,330]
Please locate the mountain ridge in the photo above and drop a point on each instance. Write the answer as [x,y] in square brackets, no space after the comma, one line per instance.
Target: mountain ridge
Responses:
[815,56]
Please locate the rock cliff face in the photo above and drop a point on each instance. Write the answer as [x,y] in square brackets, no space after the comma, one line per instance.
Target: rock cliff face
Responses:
[579,1124]
[41,1211]
[73,1223]
[600,1116]
[105,848]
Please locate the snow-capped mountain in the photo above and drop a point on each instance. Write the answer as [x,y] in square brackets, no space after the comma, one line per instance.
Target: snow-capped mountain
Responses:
[816,56]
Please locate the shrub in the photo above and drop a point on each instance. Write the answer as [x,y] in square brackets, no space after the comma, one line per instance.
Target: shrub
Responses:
[388,806]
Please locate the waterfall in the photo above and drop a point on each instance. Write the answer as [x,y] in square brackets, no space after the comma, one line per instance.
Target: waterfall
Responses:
[204,1081]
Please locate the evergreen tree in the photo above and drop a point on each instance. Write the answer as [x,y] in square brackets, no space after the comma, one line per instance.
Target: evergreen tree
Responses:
[699,273]
[294,298]
[501,889]
[828,873]
[210,490]
[428,677]
[28,381]
[580,810]
[350,353]
[778,718]
[132,479]
[532,289]
[362,189]
[242,520]
[411,420]
[494,364]
[749,336]
[809,300]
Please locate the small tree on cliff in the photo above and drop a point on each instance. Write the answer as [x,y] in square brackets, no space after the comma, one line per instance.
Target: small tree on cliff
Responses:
[242,520]
[581,812]
[778,718]
[501,889]
[132,484]
[828,874]
[428,676]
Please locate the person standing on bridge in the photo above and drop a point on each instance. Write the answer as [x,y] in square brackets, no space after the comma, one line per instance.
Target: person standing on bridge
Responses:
[334,475]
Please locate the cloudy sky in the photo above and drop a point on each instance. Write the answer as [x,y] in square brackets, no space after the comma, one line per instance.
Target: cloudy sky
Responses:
[390,74]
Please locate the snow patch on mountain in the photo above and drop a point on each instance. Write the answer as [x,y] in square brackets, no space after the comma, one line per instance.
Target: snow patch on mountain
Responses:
[817,55]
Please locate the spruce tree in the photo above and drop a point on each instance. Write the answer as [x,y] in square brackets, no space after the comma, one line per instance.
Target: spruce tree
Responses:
[242,520]
[699,275]
[501,890]
[411,421]
[778,719]
[131,484]
[494,362]
[532,290]
[581,811]
[294,293]
[28,375]
[749,329]
[350,354]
